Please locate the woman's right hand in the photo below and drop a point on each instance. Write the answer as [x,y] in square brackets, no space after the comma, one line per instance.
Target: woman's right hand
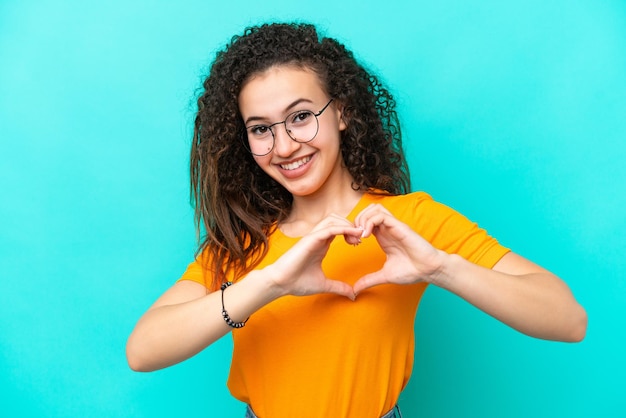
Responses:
[165,335]
[299,272]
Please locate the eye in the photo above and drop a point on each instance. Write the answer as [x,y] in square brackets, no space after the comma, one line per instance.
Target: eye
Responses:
[301,117]
[260,131]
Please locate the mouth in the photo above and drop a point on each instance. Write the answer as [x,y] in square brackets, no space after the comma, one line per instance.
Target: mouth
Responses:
[296,164]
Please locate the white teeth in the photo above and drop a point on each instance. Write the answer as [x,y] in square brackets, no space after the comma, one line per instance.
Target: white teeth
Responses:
[295,164]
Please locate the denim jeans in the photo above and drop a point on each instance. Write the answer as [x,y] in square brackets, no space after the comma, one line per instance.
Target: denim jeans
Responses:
[394,413]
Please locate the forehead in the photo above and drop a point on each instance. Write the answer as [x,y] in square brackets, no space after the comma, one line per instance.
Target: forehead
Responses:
[278,86]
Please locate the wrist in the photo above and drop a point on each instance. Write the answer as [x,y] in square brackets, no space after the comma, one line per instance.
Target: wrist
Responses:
[268,280]
[445,274]
[248,295]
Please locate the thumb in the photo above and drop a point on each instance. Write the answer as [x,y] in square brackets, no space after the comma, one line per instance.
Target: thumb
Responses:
[370,280]
[340,288]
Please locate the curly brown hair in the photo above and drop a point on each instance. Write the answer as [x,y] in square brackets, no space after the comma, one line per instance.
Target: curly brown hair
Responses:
[236,203]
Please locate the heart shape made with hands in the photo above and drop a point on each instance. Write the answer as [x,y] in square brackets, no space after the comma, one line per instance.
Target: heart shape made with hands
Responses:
[409,257]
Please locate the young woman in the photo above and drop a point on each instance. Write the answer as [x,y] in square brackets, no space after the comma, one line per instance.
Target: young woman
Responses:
[315,254]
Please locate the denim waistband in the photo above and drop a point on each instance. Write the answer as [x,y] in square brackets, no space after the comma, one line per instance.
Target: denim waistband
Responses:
[394,413]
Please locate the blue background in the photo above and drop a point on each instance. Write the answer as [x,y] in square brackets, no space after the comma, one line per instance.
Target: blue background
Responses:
[514,113]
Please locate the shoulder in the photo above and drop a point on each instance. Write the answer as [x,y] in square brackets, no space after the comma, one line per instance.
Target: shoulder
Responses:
[398,204]
[418,209]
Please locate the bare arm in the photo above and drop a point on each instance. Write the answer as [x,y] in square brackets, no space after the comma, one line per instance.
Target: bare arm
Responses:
[516,291]
[519,293]
[185,320]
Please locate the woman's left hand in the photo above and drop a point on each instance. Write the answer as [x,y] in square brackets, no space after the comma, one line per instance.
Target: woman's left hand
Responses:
[515,291]
[410,258]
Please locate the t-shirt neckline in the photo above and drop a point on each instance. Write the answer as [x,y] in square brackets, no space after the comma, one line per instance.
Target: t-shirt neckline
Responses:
[363,201]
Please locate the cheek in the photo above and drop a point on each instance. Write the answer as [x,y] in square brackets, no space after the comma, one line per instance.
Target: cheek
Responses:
[258,160]
[263,162]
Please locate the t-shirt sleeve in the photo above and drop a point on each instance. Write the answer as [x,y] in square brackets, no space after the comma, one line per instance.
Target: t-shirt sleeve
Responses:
[450,231]
[197,272]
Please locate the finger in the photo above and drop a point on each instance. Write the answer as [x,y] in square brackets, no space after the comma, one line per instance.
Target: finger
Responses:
[369,280]
[358,220]
[332,219]
[371,221]
[351,234]
[370,217]
[354,236]
[340,288]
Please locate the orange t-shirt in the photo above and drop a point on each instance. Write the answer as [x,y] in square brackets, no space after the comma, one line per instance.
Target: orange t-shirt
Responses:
[326,356]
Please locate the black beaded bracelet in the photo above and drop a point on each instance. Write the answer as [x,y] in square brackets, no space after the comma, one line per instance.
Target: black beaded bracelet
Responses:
[227,319]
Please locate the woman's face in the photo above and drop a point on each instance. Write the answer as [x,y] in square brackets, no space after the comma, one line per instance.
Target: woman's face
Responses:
[304,169]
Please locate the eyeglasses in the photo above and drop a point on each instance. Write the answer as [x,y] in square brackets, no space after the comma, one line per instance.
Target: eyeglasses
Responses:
[301,126]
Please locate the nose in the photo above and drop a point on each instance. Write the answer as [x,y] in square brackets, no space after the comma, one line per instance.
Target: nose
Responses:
[284,145]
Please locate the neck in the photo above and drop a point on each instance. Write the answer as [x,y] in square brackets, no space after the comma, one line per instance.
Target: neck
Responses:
[307,211]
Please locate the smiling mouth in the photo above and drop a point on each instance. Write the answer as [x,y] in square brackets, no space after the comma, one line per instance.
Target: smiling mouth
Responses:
[296,164]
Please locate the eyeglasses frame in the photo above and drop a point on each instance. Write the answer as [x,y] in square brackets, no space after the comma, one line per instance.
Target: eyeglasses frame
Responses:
[284,122]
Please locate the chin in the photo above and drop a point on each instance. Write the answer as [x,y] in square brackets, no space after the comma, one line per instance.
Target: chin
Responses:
[301,191]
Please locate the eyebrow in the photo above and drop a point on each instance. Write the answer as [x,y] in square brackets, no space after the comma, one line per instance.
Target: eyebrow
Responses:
[287,109]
